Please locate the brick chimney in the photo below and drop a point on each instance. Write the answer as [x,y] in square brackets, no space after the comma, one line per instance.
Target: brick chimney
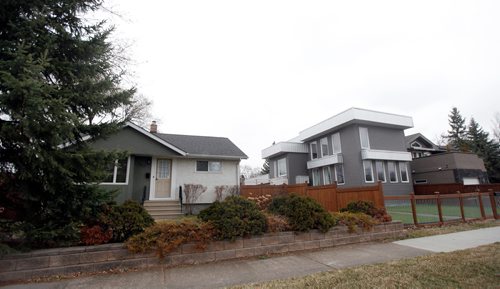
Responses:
[153,128]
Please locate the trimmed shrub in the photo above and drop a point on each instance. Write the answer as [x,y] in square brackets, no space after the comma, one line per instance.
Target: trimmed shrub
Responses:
[303,213]
[235,217]
[276,223]
[127,219]
[95,235]
[262,201]
[354,220]
[165,236]
[366,207]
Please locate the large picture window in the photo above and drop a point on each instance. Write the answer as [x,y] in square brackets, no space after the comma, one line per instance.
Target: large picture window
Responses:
[339,174]
[403,168]
[208,166]
[282,167]
[327,176]
[379,166]
[363,136]
[337,148]
[117,172]
[314,150]
[368,171]
[324,147]
[393,176]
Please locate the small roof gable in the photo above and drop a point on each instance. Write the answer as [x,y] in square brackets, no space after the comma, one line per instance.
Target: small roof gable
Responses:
[204,146]
[421,139]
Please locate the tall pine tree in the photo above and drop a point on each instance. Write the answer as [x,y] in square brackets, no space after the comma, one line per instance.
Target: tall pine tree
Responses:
[487,149]
[457,132]
[59,81]
[265,168]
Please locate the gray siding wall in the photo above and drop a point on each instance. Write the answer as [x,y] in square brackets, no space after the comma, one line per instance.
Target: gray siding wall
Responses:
[296,166]
[134,143]
[381,138]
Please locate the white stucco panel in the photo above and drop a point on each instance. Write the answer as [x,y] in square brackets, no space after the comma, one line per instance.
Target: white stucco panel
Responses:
[185,173]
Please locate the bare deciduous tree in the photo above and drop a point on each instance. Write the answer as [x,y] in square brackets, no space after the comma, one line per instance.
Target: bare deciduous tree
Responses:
[232,190]
[192,193]
[219,193]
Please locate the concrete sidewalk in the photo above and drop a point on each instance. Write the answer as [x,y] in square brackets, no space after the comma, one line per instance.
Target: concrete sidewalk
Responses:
[216,275]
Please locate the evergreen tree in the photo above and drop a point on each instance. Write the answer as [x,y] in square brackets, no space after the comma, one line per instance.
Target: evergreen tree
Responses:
[488,150]
[457,132]
[59,81]
[265,168]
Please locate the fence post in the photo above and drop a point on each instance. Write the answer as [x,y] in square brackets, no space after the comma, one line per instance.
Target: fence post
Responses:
[493,204]
[414,208]
[461,201]
[440,212]
[481,207]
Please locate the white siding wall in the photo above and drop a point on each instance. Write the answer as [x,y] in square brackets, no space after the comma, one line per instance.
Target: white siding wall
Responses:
[184,172]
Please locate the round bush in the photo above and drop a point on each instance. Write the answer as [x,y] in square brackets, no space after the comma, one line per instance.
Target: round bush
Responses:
[235,217]
[128,219]
[303,213]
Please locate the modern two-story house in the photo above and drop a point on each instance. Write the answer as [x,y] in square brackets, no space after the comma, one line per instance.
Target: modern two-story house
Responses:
[356,147]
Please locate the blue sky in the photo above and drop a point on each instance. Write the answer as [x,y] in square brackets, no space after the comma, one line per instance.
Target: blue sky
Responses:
[261,71]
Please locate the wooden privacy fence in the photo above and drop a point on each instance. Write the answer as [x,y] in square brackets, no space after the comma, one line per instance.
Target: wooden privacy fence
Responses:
[441,208]
[453,188]
[331,197]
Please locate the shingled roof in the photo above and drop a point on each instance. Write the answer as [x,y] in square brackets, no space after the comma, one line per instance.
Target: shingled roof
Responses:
[204,145]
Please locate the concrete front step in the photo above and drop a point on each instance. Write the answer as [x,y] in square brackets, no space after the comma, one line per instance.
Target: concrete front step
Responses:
[163,210]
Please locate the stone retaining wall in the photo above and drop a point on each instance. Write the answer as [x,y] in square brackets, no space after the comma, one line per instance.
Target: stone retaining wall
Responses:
[62,261]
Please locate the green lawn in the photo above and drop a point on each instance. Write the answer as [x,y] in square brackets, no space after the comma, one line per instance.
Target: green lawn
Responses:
[428,213]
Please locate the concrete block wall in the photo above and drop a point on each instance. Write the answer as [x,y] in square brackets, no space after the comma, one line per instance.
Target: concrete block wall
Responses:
[64,261]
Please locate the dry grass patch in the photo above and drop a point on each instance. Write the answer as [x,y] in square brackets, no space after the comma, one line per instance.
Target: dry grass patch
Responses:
[450,228]
[472,268]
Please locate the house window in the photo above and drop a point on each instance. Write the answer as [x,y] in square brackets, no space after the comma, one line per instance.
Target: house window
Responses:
[379,166]
[163,169]
[339,174]
[314,150]
[208,166]
[282,167]
[403,169]
[363,135]
[393,176]
[416,145]
[336,143]
[327,175]
[368,170]
[117,173]
[315,177]
[324,147]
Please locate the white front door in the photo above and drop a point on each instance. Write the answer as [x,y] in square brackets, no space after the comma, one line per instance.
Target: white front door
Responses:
[162,179]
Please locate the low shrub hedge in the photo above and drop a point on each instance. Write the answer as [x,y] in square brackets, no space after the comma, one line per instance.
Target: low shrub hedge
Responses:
[128,219]
[366,207]
[276,223]
[165,236]
[302,213]
[235,217]
[354,220]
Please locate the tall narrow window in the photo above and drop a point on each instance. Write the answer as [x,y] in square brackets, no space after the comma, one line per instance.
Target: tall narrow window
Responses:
[315,177]
[336,143]
[368,171]
[327,176]
[379,166]
[339,174]
[393,176]
[282,167]
[363,135]
[314,150]
[324,147]
[403,168]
